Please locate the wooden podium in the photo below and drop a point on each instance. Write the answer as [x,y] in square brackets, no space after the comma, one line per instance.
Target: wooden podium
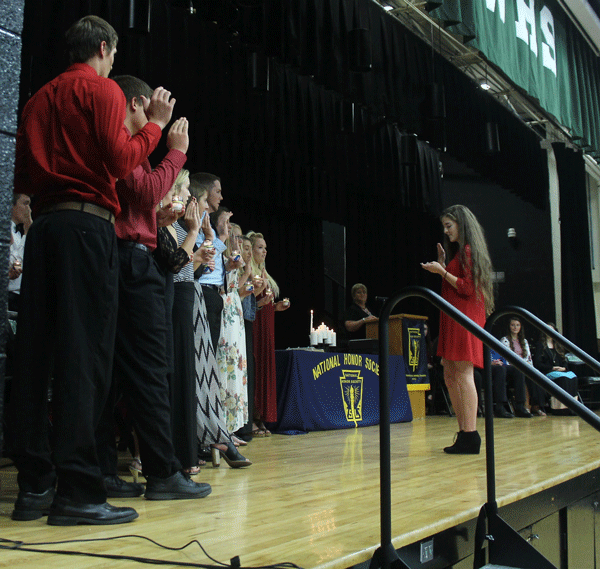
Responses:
[416,392]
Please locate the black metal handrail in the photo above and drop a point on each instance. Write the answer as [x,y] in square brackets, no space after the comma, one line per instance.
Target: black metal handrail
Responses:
[386,556]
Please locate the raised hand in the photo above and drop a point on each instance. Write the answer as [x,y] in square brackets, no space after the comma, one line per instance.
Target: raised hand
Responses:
[160,107]
[441,255]
[192,216]
[207,228]
[178,138]
[166,216]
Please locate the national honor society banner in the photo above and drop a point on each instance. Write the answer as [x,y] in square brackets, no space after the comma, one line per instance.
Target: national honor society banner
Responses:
[319,391]
[414,349]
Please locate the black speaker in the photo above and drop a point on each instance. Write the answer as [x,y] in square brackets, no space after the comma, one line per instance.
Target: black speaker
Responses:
[139,16]
[492,138]
[258,70]
[436,101]
[347,110]
[360,54]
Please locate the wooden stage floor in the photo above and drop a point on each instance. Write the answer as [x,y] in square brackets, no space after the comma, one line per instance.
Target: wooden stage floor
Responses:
[314,499]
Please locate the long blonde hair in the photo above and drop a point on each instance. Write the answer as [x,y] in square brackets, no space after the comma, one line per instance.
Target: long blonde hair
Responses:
[230,249]
[471,233]
[182,178]
[257,268]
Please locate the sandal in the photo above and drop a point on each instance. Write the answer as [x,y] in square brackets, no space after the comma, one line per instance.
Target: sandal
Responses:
[257,431]
[264,429]
[135,468]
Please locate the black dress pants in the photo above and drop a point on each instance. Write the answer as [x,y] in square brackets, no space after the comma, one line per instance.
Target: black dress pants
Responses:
[503,375]
[214,307]
[183,379]
[140,365]
[66,330]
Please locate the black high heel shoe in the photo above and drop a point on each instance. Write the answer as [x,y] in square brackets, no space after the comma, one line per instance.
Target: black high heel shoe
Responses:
[232,456]
[467,442]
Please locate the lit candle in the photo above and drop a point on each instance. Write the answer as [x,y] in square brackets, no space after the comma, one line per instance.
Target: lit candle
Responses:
[311,321]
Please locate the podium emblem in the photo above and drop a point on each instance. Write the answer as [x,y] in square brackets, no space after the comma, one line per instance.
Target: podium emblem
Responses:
[414,348]
[351,383]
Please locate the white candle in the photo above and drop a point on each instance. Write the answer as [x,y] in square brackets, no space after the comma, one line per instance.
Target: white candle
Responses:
[333,338]
[311,321]
[314,340]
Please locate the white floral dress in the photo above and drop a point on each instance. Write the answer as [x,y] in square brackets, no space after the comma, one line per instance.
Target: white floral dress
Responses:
[231,358]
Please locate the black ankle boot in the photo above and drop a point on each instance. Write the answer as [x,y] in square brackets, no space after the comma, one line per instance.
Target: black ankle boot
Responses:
[468,442]
[455,445]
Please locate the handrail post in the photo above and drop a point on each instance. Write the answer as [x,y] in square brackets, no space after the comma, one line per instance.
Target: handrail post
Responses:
[386,555]
[490,457]
[384,427]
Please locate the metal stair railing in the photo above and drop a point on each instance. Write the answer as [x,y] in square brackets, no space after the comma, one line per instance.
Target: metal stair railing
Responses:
[489,523]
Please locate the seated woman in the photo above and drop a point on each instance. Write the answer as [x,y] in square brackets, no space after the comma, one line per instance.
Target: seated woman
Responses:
[550,360]
[516,341]
[358,313]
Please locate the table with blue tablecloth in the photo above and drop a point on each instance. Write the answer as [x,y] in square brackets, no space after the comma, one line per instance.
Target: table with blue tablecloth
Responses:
[318,391]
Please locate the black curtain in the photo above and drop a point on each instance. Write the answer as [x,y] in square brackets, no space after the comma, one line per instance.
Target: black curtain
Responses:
[579,321]
[298,137]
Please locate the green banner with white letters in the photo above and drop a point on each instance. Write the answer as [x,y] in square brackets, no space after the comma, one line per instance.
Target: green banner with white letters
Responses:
[537,46]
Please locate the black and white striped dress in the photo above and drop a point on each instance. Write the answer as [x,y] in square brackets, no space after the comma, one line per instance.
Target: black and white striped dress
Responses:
[210,413]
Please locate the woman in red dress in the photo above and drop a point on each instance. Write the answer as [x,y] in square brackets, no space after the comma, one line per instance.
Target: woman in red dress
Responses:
[467,285]
[265,394]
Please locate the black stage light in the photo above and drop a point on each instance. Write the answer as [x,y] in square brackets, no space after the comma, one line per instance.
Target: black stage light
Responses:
[139,16]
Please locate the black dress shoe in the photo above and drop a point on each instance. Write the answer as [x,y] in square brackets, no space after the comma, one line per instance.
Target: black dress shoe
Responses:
[520,411]
[30,506]
[117,487]
[176,487]
[66,512]
[502,413]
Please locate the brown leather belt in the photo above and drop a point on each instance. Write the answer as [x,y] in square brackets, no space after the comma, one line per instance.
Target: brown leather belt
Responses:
[82,206]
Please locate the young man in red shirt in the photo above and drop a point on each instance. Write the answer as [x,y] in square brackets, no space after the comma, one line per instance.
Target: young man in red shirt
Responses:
[141,342]
[72,146]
